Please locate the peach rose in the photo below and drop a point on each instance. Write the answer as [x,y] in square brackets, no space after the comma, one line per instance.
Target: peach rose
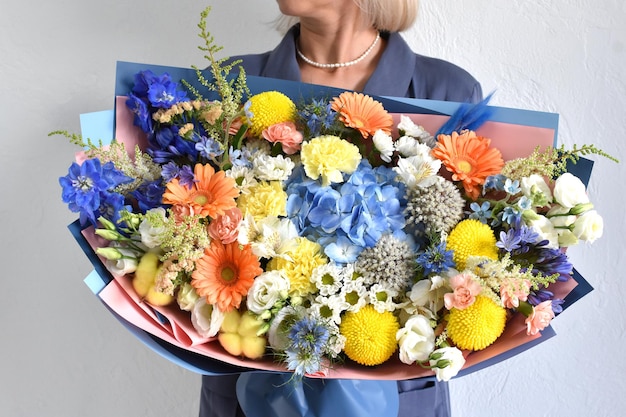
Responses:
[540,318]
[225,228]
[465,289]
[286,134]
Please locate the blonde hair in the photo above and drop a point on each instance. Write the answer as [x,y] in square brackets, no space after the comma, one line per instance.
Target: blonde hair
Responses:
[385,15]
[390,15]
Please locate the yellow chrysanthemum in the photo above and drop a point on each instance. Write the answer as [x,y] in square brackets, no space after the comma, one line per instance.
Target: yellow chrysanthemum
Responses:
[370,335]
[471,238]
[264,199]
[269,108]
[477,326]
[304,258]
[328,157]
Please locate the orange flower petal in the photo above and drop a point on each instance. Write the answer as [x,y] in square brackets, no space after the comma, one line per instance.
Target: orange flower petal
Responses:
[363,113]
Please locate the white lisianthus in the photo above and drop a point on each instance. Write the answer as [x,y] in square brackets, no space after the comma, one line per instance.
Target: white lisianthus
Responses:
[569,191]
[277,333]
[567,238]
[125,265]
[446,362]
[546,230]
[589,226]
[151,235]
[267,289]
[410,128]
[418,171]
[416,340]
[384,144]
[187,297]
[206,318]
[534,186]
[272,168]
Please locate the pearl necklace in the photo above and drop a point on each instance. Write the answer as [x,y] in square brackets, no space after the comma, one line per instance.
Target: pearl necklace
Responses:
[340,64]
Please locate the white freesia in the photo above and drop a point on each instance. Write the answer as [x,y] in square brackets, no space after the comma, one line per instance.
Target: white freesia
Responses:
[569,191]
[206,318]
[384,144]
[536,184]
[186,297]
[267,289]
[418,171]
[416,340]
[546,230]
[151,235]
[272,168]
[447,362]
[589,226]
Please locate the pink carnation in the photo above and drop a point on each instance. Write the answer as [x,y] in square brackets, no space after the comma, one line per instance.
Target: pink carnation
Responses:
[512,291]
[225,228]
[465,289]
[540,318]
[286,134]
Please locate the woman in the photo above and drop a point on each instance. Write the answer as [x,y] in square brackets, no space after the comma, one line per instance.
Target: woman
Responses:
[353,45]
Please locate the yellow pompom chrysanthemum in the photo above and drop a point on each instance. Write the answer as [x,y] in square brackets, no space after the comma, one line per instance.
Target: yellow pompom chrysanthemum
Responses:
[370,335]
[471,238]
[477,326]
[267,109]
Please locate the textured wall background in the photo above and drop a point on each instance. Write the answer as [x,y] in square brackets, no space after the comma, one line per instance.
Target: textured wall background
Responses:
[62,354]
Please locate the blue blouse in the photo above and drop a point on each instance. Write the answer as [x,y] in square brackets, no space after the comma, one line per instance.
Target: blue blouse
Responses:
[400,71]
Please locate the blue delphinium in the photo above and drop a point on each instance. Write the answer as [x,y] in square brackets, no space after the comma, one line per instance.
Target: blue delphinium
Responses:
[318,116]
[149,195]
[88,190]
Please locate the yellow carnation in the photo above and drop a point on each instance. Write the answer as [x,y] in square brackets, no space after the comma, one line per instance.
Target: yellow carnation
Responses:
[264,199]
[269,108]
[477,326]
[471,238]
[370,335]
[328,157]
[305,257]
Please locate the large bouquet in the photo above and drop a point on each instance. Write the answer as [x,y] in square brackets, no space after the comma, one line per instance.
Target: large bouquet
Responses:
[321,233]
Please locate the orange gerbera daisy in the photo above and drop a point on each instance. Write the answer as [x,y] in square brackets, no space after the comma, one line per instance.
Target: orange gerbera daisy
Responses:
[211,195]
[225,273]
[469,158]
[363,113]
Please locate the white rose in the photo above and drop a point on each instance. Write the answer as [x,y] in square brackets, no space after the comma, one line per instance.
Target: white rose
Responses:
[448,363]
[206,319]
[151,236]
[187,297]
[267,289]
[416,340]
[546,230]
[384,144]
[589,226]
[569,191]
[535,184]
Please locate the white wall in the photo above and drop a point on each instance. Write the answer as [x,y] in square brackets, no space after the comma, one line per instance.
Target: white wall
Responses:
[64,355]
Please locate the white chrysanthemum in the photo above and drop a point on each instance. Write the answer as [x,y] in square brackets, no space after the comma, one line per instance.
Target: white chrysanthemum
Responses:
[244,178]
[384,144]
[270,237]
[382,298]
[418,171]
[336,342]
[328,278]
[329,308]
[256,147]
[272,168]
[355,294]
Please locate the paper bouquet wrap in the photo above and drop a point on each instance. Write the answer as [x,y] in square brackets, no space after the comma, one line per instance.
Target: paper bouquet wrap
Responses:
[169,331]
